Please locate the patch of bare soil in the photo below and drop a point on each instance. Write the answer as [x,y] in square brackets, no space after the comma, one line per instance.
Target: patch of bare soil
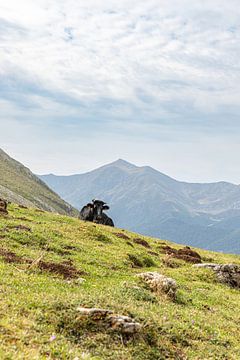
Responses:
[10,257]
[122,236]
[71,247]
[142,242]
[154,253]
[17,227]
[186,254]
[66,269]
[23,219]
[59,251]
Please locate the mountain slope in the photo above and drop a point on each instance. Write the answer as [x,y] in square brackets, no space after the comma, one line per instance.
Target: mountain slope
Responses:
[53,264]
[18,184]
[145,200]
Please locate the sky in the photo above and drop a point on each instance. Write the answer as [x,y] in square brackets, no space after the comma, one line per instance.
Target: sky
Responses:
[83,83]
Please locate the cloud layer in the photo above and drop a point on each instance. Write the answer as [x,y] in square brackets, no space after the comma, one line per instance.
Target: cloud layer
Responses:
[142,77]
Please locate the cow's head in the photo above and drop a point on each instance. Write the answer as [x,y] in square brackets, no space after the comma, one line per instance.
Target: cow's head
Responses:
[90,205]
[99,206]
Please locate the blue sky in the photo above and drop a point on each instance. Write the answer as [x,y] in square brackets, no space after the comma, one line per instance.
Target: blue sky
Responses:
[155,82]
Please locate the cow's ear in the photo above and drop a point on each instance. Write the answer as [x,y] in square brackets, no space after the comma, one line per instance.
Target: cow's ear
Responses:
[106,207]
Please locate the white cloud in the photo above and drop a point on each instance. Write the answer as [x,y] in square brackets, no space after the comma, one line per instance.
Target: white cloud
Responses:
[142,67]
[98,48]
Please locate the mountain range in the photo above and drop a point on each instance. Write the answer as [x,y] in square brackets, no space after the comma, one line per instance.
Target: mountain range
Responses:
[19,185]
[145,200]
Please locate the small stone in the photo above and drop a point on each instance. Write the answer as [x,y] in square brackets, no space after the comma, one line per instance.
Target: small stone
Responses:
[205,265]
[80,280]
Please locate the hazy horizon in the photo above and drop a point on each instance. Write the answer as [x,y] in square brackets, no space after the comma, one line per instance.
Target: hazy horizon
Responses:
[115,160]
[156,83]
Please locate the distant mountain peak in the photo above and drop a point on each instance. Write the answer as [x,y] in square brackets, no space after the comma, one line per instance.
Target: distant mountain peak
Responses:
[122,163]
[145,200]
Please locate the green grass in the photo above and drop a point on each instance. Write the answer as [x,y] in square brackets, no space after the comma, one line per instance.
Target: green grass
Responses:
[38,318]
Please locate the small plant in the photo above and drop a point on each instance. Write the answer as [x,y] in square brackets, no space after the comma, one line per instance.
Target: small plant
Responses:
[148,261]
[135,261]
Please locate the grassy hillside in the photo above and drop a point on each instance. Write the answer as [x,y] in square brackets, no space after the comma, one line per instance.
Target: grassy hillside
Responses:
[43,258]
[18,184]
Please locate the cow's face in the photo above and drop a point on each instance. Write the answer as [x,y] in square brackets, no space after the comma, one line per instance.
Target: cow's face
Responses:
[99,206]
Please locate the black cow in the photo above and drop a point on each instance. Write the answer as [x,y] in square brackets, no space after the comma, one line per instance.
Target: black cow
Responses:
[94,212]
[86,213]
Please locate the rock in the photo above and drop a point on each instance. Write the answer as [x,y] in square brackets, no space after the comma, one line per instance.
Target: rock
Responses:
[226,273]
[80,280]
[159,283]
[104,317]
[94,313]
[206,265]
[124,324]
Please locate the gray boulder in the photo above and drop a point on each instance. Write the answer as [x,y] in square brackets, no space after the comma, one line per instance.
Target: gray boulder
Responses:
[226,273]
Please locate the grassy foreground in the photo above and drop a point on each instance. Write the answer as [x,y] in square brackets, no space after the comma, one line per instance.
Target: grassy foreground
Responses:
[41,262]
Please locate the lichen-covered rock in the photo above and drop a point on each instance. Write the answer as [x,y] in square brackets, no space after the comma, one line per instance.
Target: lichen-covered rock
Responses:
[159,283]
[124,324]
[226,273]
[94,313]
[103,317]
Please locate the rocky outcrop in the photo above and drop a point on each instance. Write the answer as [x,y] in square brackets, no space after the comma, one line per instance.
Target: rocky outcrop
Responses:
[226,273]
[106,318]
[159,283]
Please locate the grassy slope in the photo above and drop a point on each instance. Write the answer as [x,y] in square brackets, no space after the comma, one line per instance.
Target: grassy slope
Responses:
[203,323]
[20,185]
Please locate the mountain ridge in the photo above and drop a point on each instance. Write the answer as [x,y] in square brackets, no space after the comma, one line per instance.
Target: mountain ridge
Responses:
[145,200]
[119,161]
[18,184]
